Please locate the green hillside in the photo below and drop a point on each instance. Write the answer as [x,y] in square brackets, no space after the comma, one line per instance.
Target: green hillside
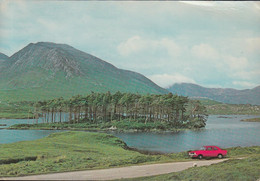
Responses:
[48,70]
[219,108]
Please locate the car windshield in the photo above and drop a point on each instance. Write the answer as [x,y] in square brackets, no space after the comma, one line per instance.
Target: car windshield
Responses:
[202,148]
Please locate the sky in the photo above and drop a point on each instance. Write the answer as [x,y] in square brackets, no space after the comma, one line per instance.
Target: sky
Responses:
[213,44]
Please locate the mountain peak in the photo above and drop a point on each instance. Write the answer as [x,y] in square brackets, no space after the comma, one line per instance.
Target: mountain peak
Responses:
[58,70]
[51,45]
[48,56]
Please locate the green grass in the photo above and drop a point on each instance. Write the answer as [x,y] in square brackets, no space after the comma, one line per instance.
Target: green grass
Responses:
[208,102]
[247,169]
[15,110]
[219,108]
[68,151]
[41,85]
[233,109]
[252,120]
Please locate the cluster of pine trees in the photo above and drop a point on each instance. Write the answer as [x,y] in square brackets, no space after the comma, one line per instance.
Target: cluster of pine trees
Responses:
[96,107]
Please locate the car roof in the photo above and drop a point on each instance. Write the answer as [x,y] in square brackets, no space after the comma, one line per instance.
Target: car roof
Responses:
[210,146]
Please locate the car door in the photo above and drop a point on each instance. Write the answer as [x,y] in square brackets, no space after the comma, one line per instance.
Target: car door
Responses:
[215,151]
[209,151]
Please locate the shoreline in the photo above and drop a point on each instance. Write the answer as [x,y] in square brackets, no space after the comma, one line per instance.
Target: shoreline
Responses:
[104,130]
[251,120]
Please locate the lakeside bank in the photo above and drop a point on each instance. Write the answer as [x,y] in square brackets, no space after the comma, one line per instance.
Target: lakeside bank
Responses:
[73,150]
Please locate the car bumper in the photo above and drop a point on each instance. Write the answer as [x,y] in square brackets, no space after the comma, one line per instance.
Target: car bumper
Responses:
[193,155]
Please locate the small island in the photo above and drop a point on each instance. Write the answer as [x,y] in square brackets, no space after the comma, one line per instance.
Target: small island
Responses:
[251,120]
[118,111]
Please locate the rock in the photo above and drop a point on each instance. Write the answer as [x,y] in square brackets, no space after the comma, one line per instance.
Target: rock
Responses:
[112,128]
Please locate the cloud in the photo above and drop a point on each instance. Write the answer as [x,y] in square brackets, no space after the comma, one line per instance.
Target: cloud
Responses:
[204,51]
[132,45]
[236,63]
[253,44]
[200,3]
[244,84]
[172,48]
[247,75]
[137,44]
[49,25]
[166,80]
[3,6]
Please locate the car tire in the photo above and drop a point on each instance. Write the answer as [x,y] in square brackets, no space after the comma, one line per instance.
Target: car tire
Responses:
[200,157]
[220,156]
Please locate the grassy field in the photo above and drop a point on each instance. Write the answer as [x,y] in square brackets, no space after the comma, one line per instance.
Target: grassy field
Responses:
[247,169]
[252,120]
[68,151]
[15,110]
[233,109]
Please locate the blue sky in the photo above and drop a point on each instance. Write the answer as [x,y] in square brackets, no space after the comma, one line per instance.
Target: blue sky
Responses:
[214,44]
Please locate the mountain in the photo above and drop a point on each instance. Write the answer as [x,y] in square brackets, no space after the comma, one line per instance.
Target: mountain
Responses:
[3,61]
[230,96]
[46,70]
[3,57]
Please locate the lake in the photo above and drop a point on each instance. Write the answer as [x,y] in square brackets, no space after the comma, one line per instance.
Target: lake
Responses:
[224,131]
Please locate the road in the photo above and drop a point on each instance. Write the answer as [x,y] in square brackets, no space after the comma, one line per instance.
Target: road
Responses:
[118,173]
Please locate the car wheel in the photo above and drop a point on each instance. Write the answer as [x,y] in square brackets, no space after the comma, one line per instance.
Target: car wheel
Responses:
[200,157]
[220,156]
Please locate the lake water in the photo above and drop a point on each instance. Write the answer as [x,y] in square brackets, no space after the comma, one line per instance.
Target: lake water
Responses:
[224,132]
[10,136]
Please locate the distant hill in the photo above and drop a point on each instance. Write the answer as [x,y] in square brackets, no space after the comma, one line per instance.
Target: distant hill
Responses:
[230,96]
[46,70]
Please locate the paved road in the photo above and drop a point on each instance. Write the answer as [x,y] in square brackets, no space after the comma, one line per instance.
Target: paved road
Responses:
[117,173]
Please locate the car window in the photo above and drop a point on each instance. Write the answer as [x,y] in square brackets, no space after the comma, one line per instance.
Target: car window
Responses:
[202,148]
[215,148]
[209,148]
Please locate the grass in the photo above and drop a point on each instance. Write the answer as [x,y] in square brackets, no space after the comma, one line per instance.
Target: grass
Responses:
[208,102]
[15,110]
[233,109]
[251,120]
[68,151]
[247,169]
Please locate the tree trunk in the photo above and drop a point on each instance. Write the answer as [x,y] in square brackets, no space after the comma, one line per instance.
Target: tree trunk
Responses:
[51,115]
[70,114]
[86,112]
[60,115]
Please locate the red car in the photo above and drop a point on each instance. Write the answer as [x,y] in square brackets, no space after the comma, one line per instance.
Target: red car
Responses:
[208,151]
